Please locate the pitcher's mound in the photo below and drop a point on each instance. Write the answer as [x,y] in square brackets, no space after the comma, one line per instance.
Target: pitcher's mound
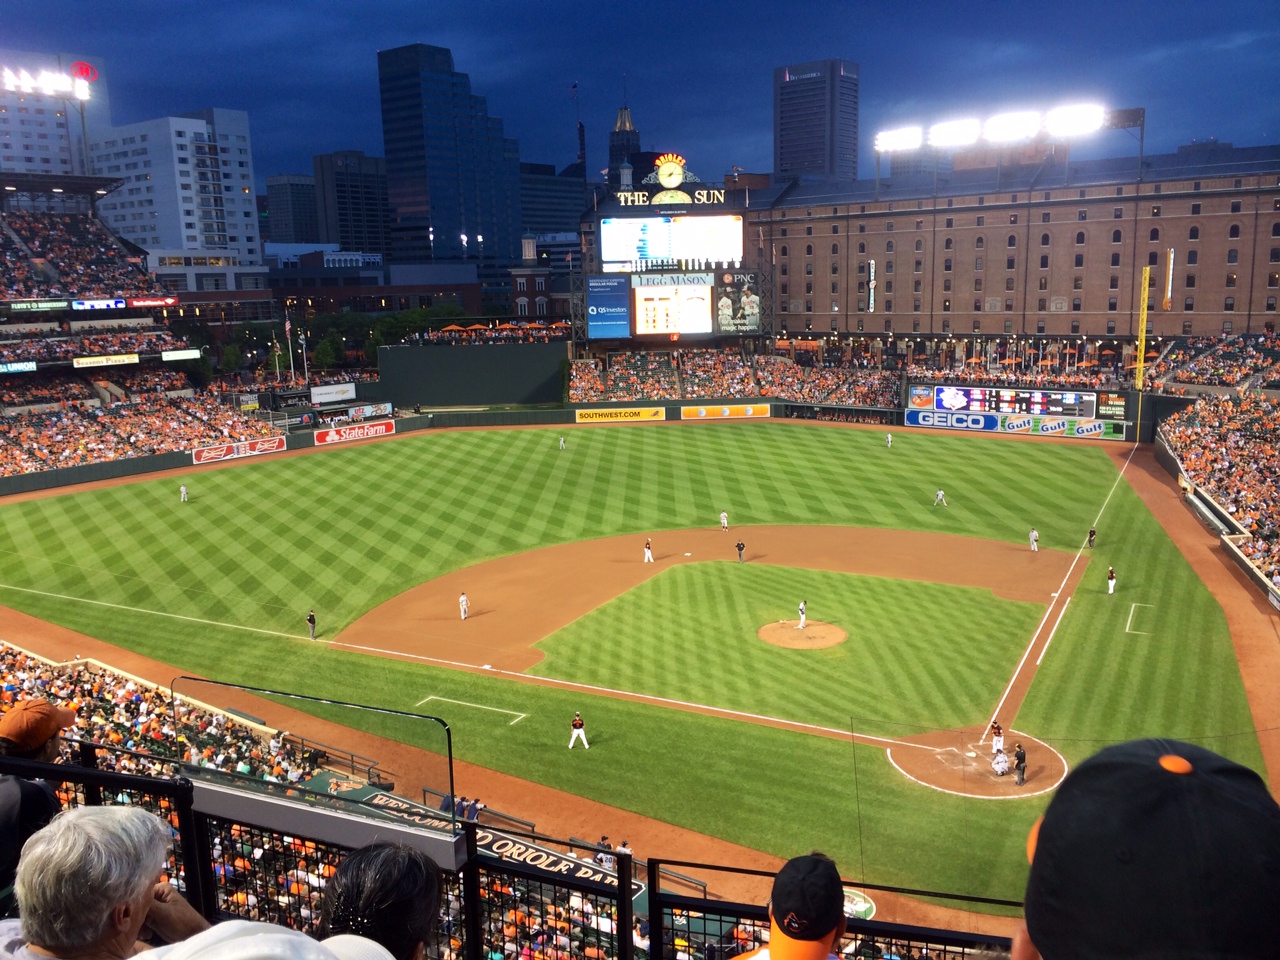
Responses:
[814,636]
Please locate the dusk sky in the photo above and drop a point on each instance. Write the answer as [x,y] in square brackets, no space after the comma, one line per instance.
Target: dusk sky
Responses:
[698,75]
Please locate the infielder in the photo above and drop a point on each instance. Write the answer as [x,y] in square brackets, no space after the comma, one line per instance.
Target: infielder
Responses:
[579,732]
[941,498]
[724,521]
[1111,580]
[464,605]
[803,606]
[1034,539]
[182,493]
[648,550]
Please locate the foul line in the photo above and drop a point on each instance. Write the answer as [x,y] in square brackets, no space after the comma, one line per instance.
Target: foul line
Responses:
[1061,587]
[154,613]
[1061,614]
[1133,607]
[611,691]
[478,706]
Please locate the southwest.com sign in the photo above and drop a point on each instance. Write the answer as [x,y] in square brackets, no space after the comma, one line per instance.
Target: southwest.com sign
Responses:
[1070,427]
[621,415]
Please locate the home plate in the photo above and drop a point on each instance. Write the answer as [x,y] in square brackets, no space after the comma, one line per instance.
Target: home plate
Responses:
[970,754]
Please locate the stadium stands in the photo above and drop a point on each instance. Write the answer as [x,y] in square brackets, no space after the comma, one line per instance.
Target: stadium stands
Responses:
[72,255]
[642,376]
[1228,446]
[716,373]
[586,381]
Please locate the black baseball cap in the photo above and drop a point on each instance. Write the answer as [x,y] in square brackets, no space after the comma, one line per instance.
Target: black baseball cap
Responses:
[807,907]
[1156,848]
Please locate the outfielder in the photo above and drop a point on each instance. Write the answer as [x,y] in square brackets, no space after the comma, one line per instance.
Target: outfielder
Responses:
[888,440]
[1111,580]
[579,732]
[182,493]
[941,498]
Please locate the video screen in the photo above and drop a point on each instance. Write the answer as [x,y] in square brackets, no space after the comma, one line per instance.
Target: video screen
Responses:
[714,239]
[680,309]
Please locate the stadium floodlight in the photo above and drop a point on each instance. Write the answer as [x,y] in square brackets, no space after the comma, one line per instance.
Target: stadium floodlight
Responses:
[1074,121]
[1010,127]
[904,138]
[955,133]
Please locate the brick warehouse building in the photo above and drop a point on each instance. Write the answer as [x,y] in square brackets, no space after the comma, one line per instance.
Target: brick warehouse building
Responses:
[1051,247]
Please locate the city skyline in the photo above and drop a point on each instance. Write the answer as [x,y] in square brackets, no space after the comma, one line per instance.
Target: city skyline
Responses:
[306,73]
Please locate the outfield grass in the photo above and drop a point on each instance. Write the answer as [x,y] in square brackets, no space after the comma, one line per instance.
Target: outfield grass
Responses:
[344,530]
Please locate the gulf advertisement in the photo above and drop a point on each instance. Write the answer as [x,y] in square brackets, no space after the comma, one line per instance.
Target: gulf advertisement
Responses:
[233,451]
[621,415]
[1067,427]
[355,431]
[736,411]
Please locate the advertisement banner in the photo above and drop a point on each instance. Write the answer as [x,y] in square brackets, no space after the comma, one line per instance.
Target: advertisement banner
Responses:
[333,393]
[737,302]
[167,355]
[97,304]
[608,308]
[737,411]
[120,359]
[25,305]
[18,366]
[247,401]
[370,410]
[356,431]
[1070,427]
[152,301]
[621,415]
[233,451]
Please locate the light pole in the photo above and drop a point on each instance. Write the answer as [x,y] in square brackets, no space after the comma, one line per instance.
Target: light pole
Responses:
[302,340]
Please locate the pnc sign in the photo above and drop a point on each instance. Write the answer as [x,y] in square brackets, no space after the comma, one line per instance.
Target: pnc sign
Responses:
[74,84]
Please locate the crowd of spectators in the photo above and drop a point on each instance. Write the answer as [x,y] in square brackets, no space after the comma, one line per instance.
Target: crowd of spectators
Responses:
[21,280]
[1230,446]
[1064,378]
[71,437]
[28,390]
[642,376]
[87,259]
[782,378]
[48,346]
[716,373]
[151,379]
[1232,363]
[586,381]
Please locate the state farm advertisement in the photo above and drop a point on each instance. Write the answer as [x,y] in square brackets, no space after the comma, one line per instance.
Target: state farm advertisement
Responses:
[232,451]
[356,431]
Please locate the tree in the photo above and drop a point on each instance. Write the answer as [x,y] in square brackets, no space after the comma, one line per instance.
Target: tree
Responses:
[323,356]
[231,358]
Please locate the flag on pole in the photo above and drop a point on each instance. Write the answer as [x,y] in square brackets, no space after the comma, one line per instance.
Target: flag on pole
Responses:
[574,89]
[568,258]
[288,329]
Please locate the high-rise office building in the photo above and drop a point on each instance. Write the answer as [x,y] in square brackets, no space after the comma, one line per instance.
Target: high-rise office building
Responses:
[815,121]
[453,179]
[186,183]
[291,206]
[624,141]
[351,201]
[551,202]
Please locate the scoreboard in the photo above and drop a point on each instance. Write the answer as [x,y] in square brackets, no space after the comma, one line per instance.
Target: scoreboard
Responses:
[1084,405]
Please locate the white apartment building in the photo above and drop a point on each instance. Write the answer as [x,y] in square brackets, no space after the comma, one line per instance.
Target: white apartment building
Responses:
[48,101]
[187,189]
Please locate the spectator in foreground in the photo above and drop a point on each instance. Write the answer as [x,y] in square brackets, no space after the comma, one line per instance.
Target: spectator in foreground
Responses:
[89,886]
[387,892]
[806,911]
[1154,848]
[30,730]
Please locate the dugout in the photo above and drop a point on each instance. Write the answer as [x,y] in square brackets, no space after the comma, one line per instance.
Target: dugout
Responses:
[443,375]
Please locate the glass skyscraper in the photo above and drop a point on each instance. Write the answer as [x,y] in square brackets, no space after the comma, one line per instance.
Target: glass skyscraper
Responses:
[450,171]
[815,121]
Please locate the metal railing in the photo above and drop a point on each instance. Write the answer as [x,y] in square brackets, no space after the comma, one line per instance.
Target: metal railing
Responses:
[264,853]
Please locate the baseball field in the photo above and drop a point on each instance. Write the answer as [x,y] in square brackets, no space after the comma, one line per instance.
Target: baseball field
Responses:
[705,706]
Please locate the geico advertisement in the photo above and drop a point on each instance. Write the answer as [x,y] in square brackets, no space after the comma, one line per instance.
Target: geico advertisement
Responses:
[736,411]
[622,415]
[1015,423]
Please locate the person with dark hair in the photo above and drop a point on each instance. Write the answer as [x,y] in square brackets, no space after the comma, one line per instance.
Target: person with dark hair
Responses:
[387,892]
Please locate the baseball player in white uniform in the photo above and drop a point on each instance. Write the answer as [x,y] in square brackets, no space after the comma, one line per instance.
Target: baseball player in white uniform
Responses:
[182,493]
[888,440]
[940,498]
[1111,580]
[1034,539]
[579,732]
[648,551]
[464,606]
[803,606]
[724,520]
